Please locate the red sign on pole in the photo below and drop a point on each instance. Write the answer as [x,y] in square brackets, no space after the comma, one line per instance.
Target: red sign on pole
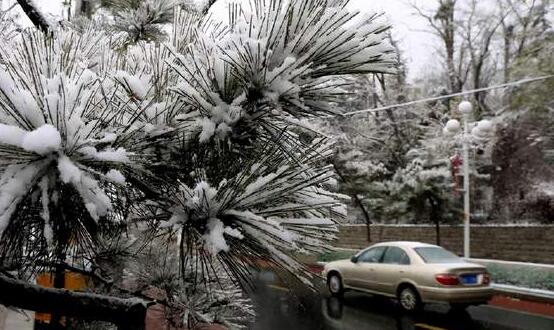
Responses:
[456,163]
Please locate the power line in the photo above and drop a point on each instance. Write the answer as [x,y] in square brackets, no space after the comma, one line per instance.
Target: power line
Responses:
[436,98]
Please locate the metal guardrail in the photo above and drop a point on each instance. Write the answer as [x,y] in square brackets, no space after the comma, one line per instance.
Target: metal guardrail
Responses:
[534,265]
[536,295]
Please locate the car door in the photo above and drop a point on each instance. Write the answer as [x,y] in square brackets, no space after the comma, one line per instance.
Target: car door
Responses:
[361,274]
[394,266]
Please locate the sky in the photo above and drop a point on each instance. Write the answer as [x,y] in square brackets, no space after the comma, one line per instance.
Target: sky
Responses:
[418,47]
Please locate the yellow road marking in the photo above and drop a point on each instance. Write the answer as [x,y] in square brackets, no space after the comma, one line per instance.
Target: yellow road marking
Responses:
[276,287]
[428,327]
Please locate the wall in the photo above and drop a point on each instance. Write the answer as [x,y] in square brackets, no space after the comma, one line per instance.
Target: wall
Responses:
[505,242]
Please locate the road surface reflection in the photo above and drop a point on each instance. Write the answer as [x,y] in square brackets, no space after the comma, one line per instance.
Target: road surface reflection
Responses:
[366,312]
[282,308]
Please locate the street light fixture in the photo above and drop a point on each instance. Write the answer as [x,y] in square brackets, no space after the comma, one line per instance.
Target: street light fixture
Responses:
[480,131]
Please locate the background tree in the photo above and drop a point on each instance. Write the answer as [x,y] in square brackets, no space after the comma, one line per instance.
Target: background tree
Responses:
[443,24]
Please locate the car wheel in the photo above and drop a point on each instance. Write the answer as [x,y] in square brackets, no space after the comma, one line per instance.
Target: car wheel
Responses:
[334,283]
[409,299]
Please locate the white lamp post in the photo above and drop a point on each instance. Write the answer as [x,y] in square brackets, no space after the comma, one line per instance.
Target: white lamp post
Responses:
[466,108]
[480,131]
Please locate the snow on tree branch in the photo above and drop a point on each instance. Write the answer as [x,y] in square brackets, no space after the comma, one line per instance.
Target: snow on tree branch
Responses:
[278,61]
[35,15]
[60,132]
[271,204]
[28,296]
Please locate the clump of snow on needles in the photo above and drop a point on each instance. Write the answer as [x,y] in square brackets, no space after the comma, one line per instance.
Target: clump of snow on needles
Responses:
[137,85]
[95,199]
[43,140]
[69,172]
[115,176]
[11,135]
[118,155]
[214,239]
[215,236]
[208,129]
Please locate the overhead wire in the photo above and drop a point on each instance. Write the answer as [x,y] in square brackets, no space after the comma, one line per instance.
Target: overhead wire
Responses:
[441,97]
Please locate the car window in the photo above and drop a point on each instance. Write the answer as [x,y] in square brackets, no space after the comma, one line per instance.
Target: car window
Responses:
[395,255]
[372,255]
[436,255]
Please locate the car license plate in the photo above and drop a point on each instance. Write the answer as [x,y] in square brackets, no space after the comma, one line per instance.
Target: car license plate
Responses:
[469,279]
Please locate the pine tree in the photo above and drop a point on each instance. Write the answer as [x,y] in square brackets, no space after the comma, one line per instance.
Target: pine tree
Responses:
[187,142]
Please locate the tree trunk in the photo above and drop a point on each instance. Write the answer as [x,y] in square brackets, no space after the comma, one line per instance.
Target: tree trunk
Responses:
[366,215]
[508,35]
[83,8]
[508,32]
[34,15]
[478,96]
[438,232]
[447,17]
[59,283]
[434,216]
[360,204]
[452,75]
[126,313]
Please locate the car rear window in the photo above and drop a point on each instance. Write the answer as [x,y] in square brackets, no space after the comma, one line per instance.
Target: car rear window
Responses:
[436,255]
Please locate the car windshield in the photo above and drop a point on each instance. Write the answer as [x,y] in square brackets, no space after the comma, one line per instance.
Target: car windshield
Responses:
[436,255]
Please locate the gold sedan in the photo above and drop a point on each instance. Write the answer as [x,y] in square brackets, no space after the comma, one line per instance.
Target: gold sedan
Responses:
[414,273]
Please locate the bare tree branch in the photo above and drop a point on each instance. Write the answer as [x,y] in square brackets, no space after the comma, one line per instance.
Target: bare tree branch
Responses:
[34,14]
[430,20]
[208,6]
[443,24]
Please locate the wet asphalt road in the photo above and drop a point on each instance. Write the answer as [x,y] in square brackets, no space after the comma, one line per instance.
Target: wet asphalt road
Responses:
[283,309]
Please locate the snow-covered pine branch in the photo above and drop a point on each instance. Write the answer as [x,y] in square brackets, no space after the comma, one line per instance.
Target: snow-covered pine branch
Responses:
[268,210]
[142,19]
[63,151]
[278,60]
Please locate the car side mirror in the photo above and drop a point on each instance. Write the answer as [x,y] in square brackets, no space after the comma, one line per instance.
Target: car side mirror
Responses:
[354,259]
